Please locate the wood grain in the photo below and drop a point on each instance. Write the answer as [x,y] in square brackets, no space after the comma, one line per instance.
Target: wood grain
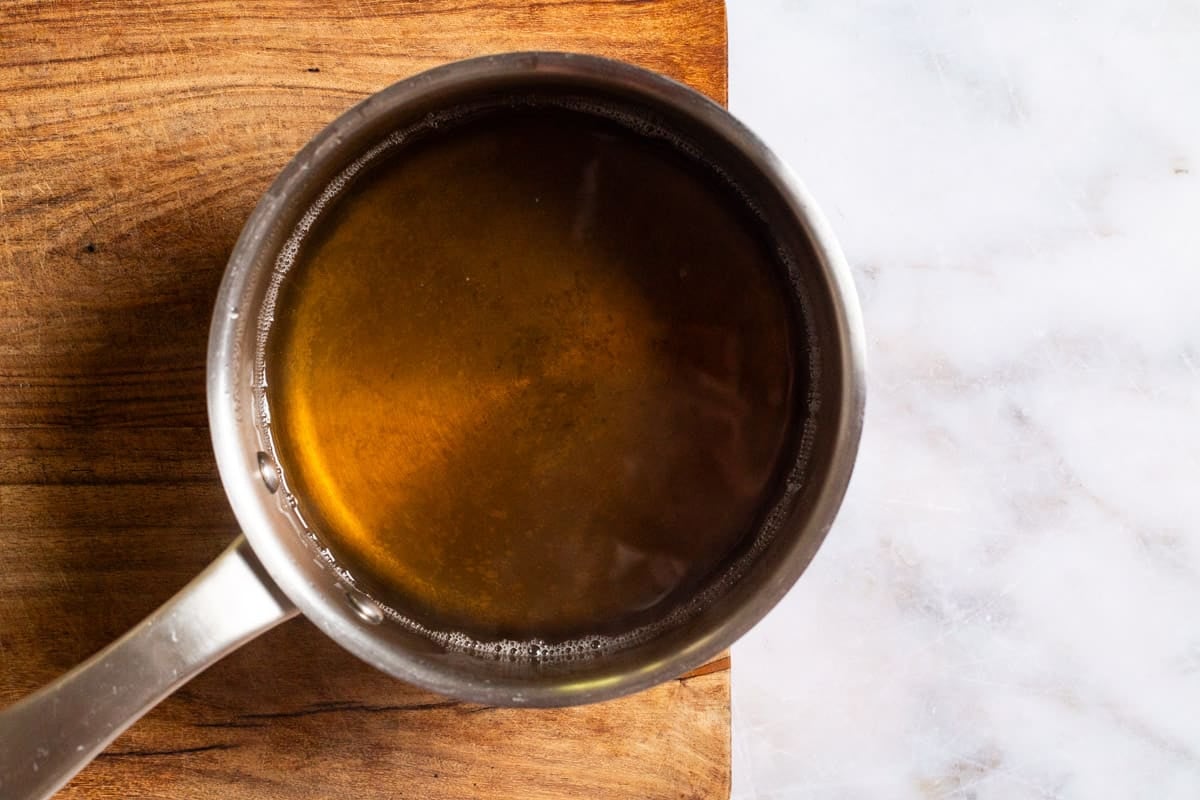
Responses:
[137,137]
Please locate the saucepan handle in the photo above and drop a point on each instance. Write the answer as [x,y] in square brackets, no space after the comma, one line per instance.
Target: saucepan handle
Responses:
[52,734]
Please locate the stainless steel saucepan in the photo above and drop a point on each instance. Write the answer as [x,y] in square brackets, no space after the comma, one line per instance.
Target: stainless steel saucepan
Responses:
[275,571]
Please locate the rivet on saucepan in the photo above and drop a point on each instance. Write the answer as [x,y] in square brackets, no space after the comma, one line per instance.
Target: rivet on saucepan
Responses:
[366,610]
[269,472]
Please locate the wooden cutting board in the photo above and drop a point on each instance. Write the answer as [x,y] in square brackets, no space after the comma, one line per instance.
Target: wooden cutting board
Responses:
[134,140]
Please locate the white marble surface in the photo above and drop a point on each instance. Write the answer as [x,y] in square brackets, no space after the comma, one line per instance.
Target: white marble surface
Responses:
[1009,604]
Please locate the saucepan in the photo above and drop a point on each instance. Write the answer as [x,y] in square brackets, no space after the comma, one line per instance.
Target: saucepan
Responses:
[274,572]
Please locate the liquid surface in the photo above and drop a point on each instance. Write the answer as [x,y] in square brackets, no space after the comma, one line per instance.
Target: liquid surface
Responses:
[530,377]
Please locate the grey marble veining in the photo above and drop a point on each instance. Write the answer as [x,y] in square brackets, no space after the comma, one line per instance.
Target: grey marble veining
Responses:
[1009,604]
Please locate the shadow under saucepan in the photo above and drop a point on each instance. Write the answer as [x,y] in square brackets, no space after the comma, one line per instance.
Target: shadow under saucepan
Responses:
[110,502]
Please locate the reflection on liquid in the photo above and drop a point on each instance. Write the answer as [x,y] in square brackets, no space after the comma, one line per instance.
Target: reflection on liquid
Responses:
[532,377]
